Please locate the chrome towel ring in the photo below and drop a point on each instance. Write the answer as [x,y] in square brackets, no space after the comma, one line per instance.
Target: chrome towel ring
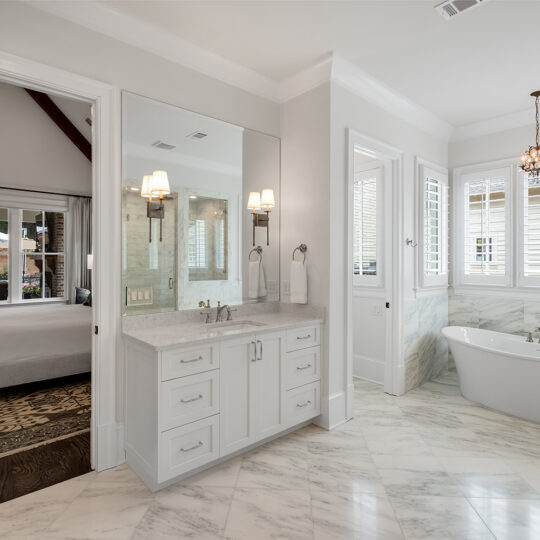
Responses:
[302,248]
[257,250]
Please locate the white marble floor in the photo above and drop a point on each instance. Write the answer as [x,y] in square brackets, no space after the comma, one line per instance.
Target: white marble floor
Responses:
[427,465]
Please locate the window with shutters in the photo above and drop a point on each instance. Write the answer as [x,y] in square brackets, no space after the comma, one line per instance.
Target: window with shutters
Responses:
[367,217]
[432,226]
[529,231]
[483,227]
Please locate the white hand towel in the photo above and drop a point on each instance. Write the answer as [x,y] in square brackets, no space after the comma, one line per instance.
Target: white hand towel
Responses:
[298,282]
[256,280]
[261,291]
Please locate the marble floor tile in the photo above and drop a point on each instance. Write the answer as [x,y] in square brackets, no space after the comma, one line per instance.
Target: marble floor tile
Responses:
[504,486]
[223,475]
[471,465]
[528,470]
[106,510]
[33,513]
[349,472]
[193,512]
[273,470]
[510,519]
[439,518]
[395,440]
[269,514]
[348,515]
[415,475]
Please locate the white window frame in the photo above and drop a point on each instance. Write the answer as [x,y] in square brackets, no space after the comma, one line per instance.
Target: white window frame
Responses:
[376,281]
[15,202]
[506,169]
[425,282]
[523,281]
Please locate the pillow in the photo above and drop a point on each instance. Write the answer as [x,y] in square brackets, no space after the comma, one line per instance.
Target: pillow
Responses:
[83,296]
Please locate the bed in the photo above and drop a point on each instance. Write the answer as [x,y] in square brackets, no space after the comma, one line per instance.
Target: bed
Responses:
[42,342]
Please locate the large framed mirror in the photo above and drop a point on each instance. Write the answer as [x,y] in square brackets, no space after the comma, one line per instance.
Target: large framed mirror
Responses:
[187,233]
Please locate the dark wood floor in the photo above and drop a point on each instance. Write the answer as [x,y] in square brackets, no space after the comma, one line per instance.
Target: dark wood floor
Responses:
[43,466]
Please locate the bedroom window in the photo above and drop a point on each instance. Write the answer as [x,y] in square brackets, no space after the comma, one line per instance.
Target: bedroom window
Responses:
[35,257]
[4,255]
[432,233]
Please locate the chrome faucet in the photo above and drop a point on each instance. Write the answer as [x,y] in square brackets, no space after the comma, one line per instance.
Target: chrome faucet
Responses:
[206,311]
[529,338]
[219,311]
[537,329]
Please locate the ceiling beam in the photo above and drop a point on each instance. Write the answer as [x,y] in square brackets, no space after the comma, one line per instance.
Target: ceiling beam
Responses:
[62,121]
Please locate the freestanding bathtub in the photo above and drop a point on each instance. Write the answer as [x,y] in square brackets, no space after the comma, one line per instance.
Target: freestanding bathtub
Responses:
[500,371]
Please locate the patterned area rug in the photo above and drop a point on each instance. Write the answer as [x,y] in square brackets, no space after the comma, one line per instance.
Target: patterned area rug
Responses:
[42,412]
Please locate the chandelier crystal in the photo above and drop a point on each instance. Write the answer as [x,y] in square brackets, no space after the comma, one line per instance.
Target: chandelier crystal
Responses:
[530,160]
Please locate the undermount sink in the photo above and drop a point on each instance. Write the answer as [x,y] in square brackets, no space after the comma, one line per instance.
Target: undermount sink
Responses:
[232,326]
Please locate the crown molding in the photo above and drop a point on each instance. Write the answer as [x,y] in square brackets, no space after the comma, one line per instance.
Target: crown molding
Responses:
[364,85]
[105,19]
[307,79]
[493,125]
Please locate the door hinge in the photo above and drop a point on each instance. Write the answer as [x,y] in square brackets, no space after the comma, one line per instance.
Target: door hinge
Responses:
[96,330]
[387,305]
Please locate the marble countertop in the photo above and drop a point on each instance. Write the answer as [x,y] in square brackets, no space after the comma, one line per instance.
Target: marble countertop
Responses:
[160,338]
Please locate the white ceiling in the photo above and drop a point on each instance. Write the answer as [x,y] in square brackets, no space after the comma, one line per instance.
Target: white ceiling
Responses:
[475,67]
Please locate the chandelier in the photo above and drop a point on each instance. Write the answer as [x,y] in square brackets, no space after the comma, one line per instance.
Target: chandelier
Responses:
[530,160]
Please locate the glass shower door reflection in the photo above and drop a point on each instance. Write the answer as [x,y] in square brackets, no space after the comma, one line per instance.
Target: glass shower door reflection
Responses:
[149,267]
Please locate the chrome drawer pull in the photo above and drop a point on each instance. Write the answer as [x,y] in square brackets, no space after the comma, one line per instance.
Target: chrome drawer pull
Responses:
[196,398]
[194,447]
[305,404]
[300,368]
[303,337]
[192,360]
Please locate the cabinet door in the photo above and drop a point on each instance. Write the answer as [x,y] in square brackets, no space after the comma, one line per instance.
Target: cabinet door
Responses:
[266,387]
[236,419]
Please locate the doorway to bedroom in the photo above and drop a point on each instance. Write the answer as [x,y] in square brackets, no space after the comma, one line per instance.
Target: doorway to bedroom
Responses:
[45,289]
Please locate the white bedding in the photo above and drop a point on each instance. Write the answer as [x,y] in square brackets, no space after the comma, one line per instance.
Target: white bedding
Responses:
[43,342]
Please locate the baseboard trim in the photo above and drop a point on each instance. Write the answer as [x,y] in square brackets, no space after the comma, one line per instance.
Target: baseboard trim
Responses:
[333,410]
[110,442]
[368,368]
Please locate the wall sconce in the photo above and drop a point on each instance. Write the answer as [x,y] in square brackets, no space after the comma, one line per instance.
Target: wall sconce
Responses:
[264,201]
[155,185]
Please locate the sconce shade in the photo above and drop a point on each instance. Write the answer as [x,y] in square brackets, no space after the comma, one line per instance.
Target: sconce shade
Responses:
[160,183]
[146,186]
[267,199]
[254,201]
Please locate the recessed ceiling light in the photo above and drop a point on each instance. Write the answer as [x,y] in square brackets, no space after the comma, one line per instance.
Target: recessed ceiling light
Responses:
[193,196]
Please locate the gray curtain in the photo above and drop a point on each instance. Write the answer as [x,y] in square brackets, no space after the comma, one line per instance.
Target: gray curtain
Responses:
[80,219]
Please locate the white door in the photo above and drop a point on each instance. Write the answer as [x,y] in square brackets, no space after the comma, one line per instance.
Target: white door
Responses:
[236,418]
[372,266]
[266,385]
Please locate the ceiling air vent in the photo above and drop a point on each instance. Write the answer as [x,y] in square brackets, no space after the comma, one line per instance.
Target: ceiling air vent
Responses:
[197,135]
[163,146]
[451,8]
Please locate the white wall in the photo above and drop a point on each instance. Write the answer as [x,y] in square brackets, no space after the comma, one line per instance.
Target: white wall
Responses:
[305,201]
[348,110]
[504,144]
[34,153]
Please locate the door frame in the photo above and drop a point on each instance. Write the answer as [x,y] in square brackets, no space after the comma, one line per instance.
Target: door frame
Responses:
[106,433]
[394,370]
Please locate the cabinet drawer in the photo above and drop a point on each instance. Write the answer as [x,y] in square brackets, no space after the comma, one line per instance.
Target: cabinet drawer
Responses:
[302,367]
[302,404]
[188,447]
[181,362]
[189,398]
[303,338]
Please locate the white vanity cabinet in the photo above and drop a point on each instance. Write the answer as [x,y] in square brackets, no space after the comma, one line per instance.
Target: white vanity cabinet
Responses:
[250,390]
[191,406]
